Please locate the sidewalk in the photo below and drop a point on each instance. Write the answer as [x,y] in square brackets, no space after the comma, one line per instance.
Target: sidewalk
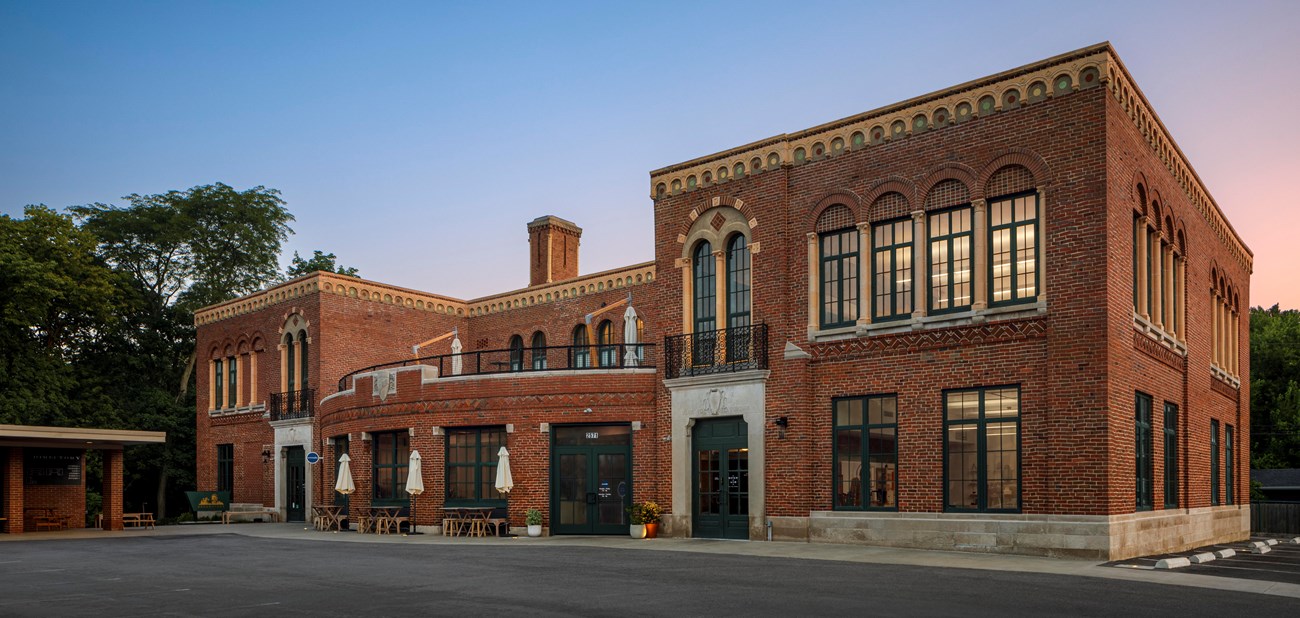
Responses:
[802,551]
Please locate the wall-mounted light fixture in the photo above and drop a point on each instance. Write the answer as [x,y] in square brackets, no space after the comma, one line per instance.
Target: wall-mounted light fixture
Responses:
[782,423]
[266,454]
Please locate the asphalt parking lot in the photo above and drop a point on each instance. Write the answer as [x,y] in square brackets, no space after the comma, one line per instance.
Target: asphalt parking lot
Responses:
[1281,564]
[237,575]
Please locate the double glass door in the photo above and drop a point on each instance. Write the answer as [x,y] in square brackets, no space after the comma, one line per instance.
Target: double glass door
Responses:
[720,479]
[591,479]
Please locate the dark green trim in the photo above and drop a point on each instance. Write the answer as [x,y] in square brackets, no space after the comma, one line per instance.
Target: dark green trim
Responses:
[1015,299]
[225,467]
[1228,454]
[704,303]
[845,278]
[1171,455]
[982,450]
[219,383]
[401,454]
[951,240]
[1143,452]
[893,250]
[592,453]
[864,453]
[483,464]
[1214,463]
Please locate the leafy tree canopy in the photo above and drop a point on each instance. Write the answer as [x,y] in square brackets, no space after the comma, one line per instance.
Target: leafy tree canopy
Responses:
[1275,387]
[319,261]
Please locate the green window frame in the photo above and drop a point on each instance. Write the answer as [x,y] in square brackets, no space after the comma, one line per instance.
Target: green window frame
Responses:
[951,249]
[866,452]
[1228,460]
[232,379]
[1214,463]
[1013,249]
[1143,452]
[738,281]
[704,286]
[391,462]
[1171,455]
[839,278]
[580,351]
[606,350]
[891,264]
[218,384]
[225,467]
[342,444]
[289,363]
[302,361]
[516,353]
[539,351]
[981,454]
[472,466]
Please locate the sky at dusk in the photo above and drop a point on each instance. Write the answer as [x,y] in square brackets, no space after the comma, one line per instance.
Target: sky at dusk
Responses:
[416,139]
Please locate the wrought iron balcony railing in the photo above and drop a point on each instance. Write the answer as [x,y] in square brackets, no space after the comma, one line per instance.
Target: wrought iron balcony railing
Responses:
[525,360]
[293,404]
[716,351]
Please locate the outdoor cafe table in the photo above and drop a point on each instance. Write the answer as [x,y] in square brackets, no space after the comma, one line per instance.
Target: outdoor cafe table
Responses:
[387,519]
[331,517]
[472,520]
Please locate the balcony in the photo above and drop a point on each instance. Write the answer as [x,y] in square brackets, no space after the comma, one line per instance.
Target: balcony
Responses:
[293,404]
[716,351]
[528,360]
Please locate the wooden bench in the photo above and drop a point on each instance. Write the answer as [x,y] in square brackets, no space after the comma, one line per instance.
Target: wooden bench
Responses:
[137,520]
[250,510]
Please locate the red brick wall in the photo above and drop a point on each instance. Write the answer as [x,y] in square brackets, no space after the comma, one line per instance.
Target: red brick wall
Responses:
[523,400]
[66,500]
[1131,161]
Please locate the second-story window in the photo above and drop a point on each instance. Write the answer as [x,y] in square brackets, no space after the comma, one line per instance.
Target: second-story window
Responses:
[289,364]
[737,282]
[704,284]
[891,260]
[232,381]
[839,278]
[605,344]
[539,351]
[302,360]
[516,353]
[1013,226]
[580,354]
[950,260]
[218,383]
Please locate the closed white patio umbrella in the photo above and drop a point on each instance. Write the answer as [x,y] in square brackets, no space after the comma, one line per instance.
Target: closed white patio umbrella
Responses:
[505,482]
[344,484]
[414,484]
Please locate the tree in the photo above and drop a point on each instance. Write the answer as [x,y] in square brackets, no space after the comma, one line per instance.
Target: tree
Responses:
[181,250]
[60,301]
[320,261]
[1275,387]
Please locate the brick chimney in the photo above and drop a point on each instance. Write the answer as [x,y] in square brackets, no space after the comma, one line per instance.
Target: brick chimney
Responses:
[553,250]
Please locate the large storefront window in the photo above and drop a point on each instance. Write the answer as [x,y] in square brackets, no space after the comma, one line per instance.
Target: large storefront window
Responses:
[391,459]
[1171,455]
[866,452]
[472,456]
[982,449]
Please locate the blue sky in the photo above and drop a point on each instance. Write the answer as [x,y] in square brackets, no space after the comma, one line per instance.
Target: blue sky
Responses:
[412,138]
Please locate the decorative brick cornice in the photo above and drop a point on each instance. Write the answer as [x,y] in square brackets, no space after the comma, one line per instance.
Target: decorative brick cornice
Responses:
[1157,351]
[353,287]
[1223,388]
[1027,85]
[937,339]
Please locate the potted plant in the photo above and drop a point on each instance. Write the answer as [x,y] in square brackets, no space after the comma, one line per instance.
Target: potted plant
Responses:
[534,520]
[644,517]
[650,514]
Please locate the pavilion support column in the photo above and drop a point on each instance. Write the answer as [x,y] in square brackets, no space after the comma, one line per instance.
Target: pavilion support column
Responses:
[13,489]
[114,484]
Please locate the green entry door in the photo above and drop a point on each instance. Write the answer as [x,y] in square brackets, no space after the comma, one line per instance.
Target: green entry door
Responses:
[591,479]
[720,479]
[295,484]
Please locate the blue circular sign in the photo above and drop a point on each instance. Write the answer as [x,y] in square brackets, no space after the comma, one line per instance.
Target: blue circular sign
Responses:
[313,457]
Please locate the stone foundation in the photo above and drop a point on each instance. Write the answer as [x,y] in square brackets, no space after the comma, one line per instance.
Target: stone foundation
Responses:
[1095,537]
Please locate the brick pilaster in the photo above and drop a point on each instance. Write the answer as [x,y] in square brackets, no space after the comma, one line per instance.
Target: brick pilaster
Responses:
[113,487]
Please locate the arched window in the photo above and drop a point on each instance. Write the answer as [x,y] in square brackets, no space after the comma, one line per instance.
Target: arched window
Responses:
[302,361]
[539,351]
[289,364]
[703,278]
[218,402]
[580,354]
[838,251]
[605,341]
[738,302]
[516,353]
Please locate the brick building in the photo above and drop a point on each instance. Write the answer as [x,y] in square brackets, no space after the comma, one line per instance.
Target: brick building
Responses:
[1004,316]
